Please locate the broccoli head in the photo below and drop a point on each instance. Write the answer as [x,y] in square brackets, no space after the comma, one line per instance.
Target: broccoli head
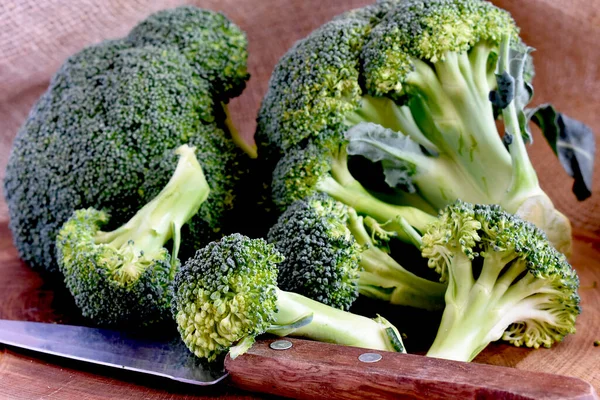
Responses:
[505,281]
[123,276]
[227,294]
[102,136]
[425,70]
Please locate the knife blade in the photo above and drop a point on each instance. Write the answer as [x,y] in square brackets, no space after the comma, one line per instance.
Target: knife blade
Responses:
[167,357]
[296,368]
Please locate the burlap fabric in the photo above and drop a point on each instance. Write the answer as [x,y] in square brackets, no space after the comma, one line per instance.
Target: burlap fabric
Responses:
[37,35]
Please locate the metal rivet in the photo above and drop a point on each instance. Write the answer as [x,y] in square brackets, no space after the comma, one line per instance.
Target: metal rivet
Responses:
[369,357]
[281,345]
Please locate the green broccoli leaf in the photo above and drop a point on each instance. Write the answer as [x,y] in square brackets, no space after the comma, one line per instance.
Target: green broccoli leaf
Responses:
[393,149]
[572,141]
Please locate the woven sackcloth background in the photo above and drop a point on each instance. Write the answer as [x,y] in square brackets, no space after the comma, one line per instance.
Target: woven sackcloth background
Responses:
[37,35]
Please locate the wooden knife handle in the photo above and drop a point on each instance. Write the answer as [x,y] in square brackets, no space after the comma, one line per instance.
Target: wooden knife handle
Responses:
[311,370]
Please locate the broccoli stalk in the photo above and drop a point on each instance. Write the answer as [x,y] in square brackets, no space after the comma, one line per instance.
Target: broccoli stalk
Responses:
[145,234]
[331,258]
[327,324]
[505,281]
[122,276]
[384,279]
[227,294]
[324,169]
[247,147]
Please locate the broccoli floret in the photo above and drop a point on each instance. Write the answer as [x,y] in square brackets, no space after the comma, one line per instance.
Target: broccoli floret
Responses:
[123,276]
[505,281]
[102,136]
[423,69]
[323,168]
[227,294]
[214,46]
[331,257]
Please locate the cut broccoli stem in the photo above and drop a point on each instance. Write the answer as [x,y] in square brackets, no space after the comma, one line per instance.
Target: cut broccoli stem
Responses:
[523,177]
[475,311]
[162,218]
[331,325]
[248,148]
[384,279]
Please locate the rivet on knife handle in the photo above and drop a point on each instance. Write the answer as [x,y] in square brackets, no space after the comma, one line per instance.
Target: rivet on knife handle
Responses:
[312,370]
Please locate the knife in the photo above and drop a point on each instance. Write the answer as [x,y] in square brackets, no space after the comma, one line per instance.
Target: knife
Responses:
[295,368]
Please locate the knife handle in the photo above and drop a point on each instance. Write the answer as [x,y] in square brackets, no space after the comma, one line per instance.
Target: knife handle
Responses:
[312,370]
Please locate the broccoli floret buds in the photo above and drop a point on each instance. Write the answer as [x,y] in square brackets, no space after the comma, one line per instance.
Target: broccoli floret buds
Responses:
[227,294]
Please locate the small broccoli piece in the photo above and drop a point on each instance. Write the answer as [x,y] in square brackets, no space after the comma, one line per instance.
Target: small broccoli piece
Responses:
[122,276]
[423,70]
[227,294]
[505,281]
[323,169]
[330,257]
[102,135]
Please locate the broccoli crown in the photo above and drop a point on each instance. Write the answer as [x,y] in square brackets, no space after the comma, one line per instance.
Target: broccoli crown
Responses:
[102,136]
[427,30]
[323,78]
[321,255]
[314,85]
[214,46]
[108,282]
[225,293]
[298,173]
[507,271]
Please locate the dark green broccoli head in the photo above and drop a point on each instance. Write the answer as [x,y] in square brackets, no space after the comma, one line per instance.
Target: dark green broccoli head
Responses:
[95,136]
[321,255]
[109,282]
[526,287]
[102,136]
[225,293]
[214,46]
[427,30]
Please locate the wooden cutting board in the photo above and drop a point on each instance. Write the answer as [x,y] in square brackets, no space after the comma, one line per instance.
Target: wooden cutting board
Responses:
[25,295]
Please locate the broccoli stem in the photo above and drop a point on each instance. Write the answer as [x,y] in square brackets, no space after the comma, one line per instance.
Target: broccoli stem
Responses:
[365,203]
[524,177]
[342,186]
[476,309]
[383,111]
[384,279]
[248,148]
[453,110]
[331,325]
[162,218]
